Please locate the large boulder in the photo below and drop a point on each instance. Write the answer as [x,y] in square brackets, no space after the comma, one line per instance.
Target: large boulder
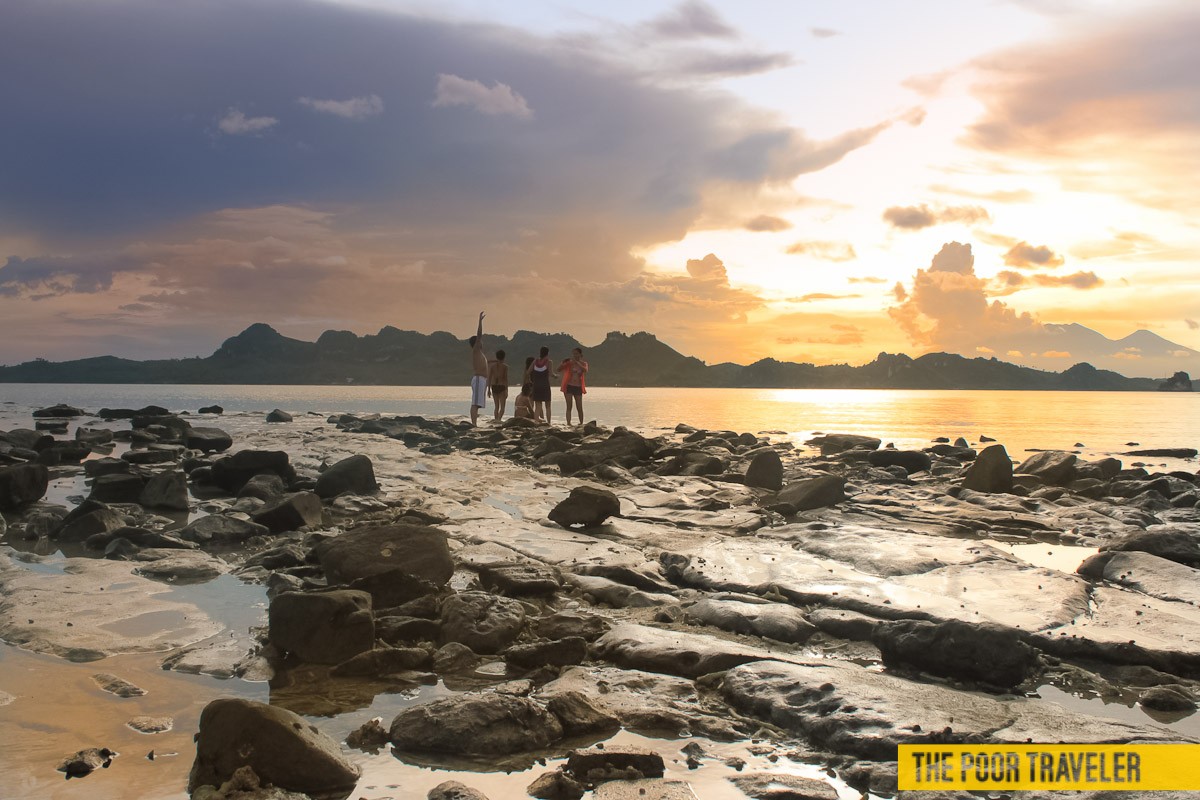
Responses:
[803,495]
[765,470]
[220,530]
[232,472]
[587,506]
[476,725]
[282,748]
[991,471]
[354,475]
[22,484]
[1171,544]
[118,487]
[102,520]
[418,550]
[1053,467]
[911,460]
[208,440]
[322,627]
[486,623]
[988,653]
[59,410]
[278,415]
[290,513]
[834,443]
[166,490]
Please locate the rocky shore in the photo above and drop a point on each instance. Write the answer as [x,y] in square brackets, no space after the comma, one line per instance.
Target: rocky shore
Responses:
[516,595]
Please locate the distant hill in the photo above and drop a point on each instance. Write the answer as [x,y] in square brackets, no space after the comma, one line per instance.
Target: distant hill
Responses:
[392,357]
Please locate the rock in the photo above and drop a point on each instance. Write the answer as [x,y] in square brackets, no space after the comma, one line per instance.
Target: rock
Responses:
[22,485]
[166,490]
[991,471]
[394,587]
[213,409]
[118,686]
[553,652]
[244,785]
[1164,452]
[844,624]
[382,661]
[417,550]
[911,460]
[371,735]
[645,789]
[279,416]
[484,622]
[220,529]
[92,436]
[986,653]
[556,785]
[59,410]
[1173,545]
[151,725]
[160,454]
[616,594]
[232,472]
[771,620]
[520,580]
[811,493]
[322,627]
[118,548]
[117,487]
[779,786]
[1054,467]
[105,466]
[267,487]
[1146,573]
[1168,698]
[579,715]
[688,655]
[291,512]
[85,762]
[179,566]
[572,623]
[453,790]
[834,443]
[454,657]
[614,762]
[101,520]
[395,629]
[765,471]
[587,506]
[281,747]
[355,475]
[475,725]
[208,440]
[27,439]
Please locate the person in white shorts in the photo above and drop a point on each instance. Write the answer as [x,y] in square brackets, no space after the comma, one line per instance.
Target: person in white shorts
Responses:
[479,380]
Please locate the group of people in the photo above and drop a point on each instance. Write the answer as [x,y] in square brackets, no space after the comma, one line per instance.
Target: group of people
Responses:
[491,379]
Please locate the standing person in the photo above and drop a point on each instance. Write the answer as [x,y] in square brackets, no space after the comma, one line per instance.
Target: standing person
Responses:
[574,385]
[498,383]
[479,364]
[539,376]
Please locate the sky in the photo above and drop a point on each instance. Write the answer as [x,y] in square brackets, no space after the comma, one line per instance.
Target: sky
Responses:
[815,181]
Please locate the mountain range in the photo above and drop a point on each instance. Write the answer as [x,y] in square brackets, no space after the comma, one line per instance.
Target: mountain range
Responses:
[393,357]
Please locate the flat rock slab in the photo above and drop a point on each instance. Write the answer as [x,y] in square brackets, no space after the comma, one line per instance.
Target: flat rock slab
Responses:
[688,655]
[1155,576]
[551,545]
[865,714]
[110,611]
[975,592]
[644,789]
[770,620]
[179,566]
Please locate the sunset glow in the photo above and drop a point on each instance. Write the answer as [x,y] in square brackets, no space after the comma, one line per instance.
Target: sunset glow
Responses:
[811,182]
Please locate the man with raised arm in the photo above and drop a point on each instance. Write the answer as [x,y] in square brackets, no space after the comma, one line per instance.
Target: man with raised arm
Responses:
[479,380]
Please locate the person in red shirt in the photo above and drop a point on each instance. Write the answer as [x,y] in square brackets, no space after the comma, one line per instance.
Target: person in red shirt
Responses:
[574,385]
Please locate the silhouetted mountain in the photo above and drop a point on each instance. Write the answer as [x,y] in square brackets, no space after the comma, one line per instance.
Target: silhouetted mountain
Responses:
[392,357]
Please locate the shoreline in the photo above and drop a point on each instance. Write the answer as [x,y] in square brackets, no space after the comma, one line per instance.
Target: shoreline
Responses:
[668,566]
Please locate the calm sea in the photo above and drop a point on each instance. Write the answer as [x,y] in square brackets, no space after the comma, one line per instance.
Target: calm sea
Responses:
[1102,422]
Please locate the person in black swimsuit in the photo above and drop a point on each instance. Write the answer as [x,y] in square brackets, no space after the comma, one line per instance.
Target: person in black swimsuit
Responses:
[540,373]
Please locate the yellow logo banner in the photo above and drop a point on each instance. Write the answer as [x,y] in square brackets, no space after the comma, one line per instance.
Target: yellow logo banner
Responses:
[1050,767]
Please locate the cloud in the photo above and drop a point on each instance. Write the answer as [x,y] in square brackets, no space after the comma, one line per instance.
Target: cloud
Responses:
[721,64]
[43,277]
[1122,243]
[500,99]
[235,123]
[766,223]
[1025,255]
[809,298]
[1056,354]
[691,19]
[1116,93]
[829,251]
[824,33]
[954,257]
[1078,280]
[867,279]
[709,268]
[996,196]
[922,216]
[356,108]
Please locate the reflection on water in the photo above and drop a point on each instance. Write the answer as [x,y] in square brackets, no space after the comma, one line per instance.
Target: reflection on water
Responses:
[1125,709]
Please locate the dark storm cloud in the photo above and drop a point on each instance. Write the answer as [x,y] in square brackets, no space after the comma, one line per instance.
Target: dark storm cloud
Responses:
[48,277]
[122,118]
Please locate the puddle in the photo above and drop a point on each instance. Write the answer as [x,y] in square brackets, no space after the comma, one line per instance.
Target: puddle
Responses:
[1127,711]
[1061,557]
